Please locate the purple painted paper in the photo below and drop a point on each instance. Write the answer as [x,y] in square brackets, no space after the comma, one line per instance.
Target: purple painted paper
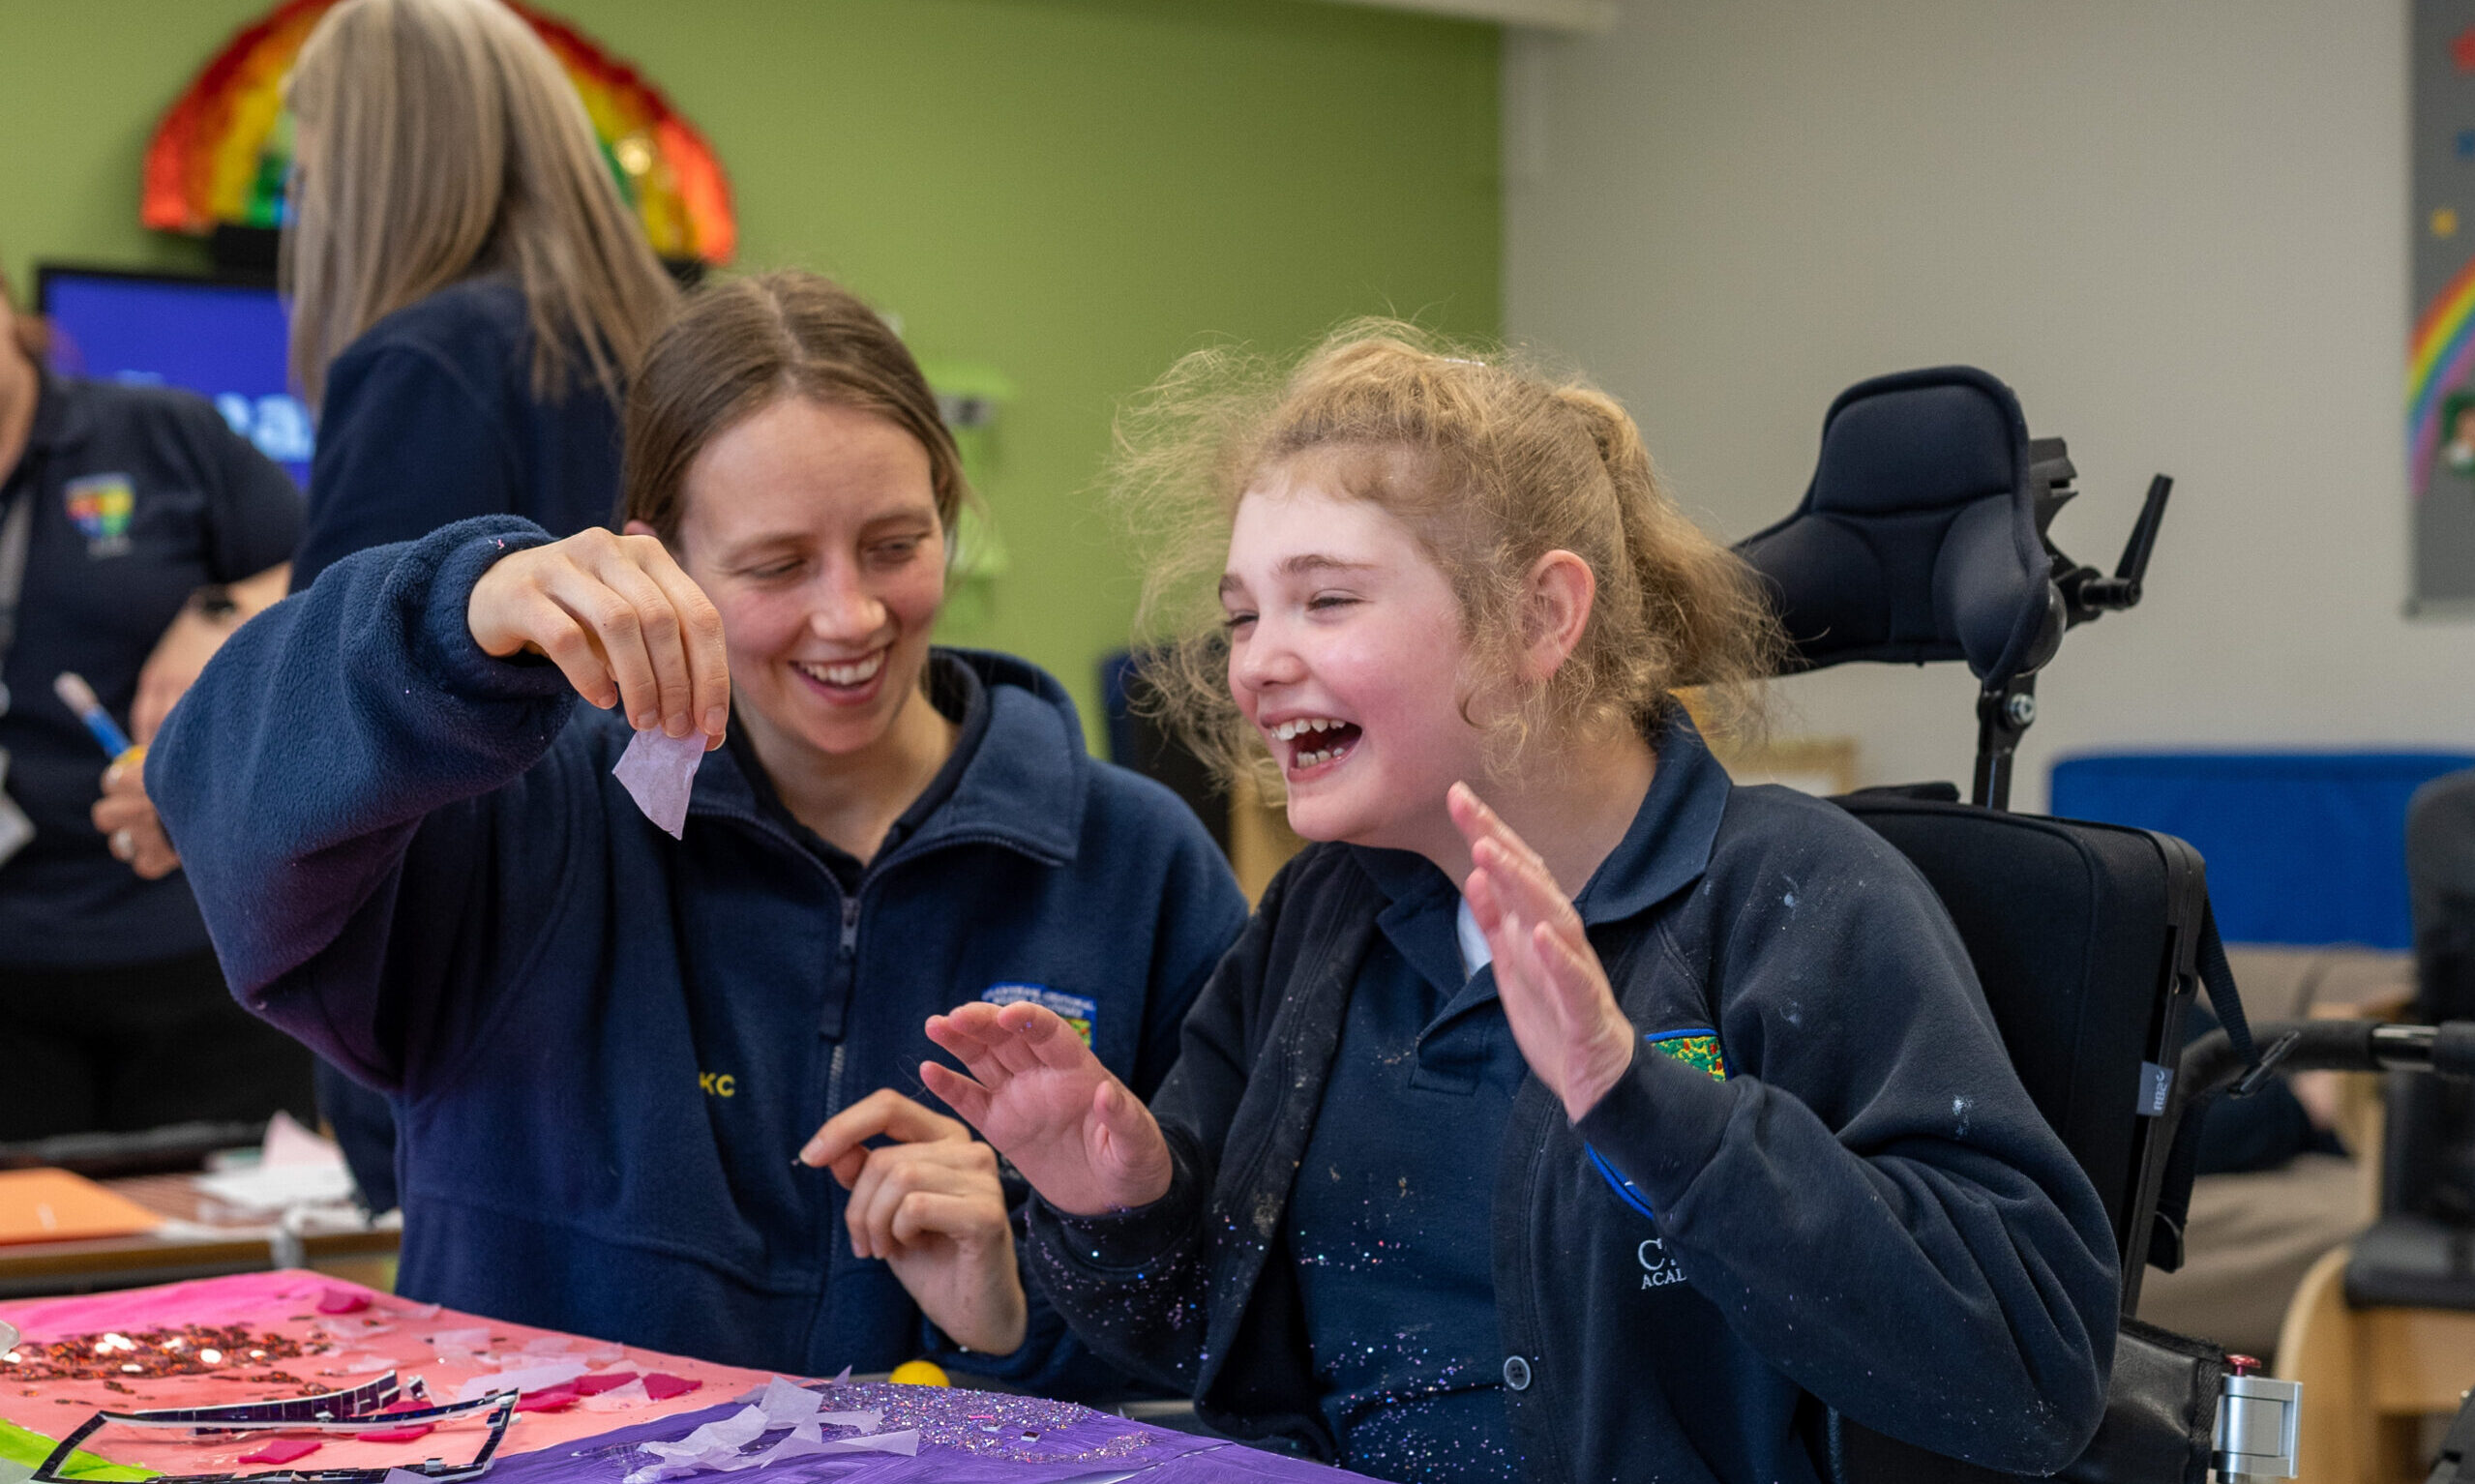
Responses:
[966,1438]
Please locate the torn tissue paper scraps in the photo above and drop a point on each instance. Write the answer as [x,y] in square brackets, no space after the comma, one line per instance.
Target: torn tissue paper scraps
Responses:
[658,771]
[540,1377]
[719,1447]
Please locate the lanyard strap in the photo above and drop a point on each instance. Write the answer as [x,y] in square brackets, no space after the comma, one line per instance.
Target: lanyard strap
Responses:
[16,535]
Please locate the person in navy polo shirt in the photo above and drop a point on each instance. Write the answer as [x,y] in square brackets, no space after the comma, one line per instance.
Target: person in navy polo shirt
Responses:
[149,530]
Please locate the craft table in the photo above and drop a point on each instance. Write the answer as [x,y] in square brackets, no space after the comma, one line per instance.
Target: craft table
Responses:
[202,1240]
[588,1405]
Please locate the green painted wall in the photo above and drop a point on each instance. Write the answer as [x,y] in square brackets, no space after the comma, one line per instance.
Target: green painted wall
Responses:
[1071,192]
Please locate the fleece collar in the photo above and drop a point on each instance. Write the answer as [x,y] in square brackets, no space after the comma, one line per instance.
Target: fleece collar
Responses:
[1024,787]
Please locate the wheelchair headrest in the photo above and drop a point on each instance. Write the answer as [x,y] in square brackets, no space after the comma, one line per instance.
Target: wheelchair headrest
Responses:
[1918,539]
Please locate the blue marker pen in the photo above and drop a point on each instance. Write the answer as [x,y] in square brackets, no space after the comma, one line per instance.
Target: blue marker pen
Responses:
[79,697]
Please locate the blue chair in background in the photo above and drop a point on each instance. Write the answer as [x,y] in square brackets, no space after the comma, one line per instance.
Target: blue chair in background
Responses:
[2302,848]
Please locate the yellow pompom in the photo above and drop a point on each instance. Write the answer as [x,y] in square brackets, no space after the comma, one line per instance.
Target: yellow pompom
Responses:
[919,1373]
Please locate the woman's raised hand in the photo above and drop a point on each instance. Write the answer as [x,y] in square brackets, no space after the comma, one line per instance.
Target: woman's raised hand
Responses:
[620,620]
[1555,994]
[930,1204]
[1037,1094]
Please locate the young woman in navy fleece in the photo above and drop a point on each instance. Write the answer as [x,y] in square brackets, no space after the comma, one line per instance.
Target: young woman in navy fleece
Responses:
[605,1045]
[1568,1114]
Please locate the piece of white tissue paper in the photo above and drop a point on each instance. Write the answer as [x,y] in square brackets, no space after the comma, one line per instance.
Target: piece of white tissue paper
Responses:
[717,1447]
[531,1378]
[619,1398]
[658,770]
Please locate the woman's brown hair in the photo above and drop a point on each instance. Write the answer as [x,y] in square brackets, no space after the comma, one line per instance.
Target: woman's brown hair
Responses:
[740,347]
[1491,462]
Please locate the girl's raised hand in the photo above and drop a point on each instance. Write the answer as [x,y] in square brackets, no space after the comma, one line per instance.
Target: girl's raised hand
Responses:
[1036,1092]
[1555,996]
[620,620]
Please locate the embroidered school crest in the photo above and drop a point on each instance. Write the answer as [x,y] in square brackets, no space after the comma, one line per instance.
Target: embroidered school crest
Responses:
[100,506]
[1694,1047]
[1073,1009]
[1698,1048]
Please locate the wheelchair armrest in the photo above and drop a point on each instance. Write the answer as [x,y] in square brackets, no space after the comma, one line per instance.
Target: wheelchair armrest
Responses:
[2446,1049]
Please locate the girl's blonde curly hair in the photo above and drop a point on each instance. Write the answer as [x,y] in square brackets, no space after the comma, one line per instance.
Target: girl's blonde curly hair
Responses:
[1491,462]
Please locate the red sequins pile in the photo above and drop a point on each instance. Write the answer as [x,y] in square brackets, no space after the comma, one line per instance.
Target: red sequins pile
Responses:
[192,1350]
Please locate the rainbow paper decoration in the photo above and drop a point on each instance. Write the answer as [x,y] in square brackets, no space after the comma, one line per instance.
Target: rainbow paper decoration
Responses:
[221,155]
[2440,359]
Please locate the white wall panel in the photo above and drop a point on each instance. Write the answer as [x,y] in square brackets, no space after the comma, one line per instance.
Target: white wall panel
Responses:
[2179,231]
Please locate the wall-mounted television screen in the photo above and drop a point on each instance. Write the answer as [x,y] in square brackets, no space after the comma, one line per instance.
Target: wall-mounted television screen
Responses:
[223,341]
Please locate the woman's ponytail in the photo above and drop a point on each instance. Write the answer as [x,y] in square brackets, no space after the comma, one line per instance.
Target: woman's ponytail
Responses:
[1706,622]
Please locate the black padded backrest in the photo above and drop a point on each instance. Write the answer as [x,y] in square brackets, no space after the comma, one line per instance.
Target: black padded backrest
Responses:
[1917,539]
[2071,928]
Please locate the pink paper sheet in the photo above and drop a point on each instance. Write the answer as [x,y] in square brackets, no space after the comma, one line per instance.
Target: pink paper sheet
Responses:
[659,772]
[445,1347]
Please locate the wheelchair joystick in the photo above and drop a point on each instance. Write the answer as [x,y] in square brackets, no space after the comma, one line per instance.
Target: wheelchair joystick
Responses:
[2088,593]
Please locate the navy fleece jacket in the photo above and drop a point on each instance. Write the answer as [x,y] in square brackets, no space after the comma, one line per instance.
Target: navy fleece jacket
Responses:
[604,1044]
[1856,1204]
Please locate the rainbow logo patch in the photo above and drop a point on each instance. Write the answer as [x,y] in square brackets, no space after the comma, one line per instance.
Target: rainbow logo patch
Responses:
[100,505]
[1694,1047]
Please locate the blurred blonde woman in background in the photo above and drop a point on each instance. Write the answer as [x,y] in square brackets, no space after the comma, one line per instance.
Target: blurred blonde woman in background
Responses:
[469,288]
[470,293]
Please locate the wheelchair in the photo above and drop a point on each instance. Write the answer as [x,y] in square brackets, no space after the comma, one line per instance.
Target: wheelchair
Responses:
[1924,538]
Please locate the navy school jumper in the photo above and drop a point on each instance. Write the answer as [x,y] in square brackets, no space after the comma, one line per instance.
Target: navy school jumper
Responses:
[1868,1212]
[605,1046]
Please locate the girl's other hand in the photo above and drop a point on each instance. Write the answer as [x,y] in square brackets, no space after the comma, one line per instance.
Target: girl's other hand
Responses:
[620,620]
[930,1204]
[1036,1092]
[1555,993]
